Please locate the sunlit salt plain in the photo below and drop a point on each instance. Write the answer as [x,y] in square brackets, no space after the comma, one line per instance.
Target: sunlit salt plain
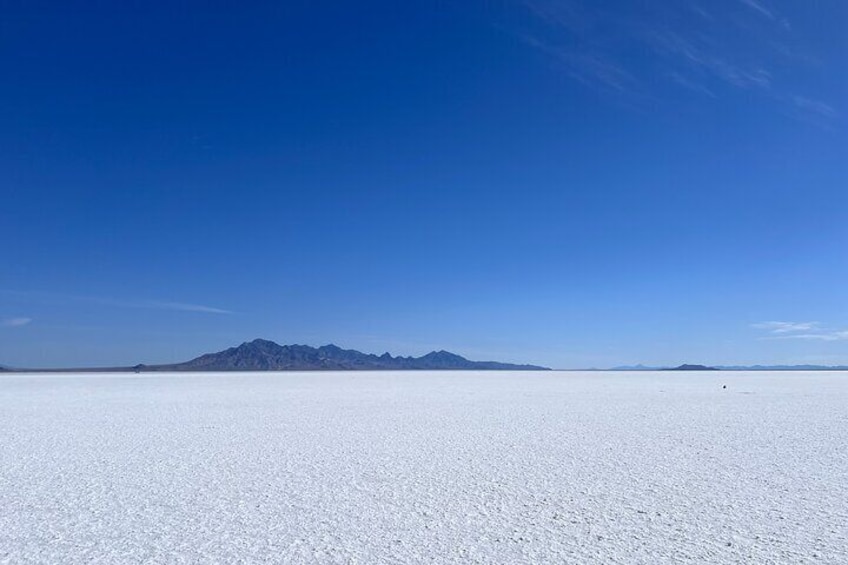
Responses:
[423,467]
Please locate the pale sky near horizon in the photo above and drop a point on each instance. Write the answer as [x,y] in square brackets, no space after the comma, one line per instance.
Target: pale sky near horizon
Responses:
[560,182]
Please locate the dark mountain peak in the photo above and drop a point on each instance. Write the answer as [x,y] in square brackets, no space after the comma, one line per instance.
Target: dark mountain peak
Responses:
[443,355]
[258,343]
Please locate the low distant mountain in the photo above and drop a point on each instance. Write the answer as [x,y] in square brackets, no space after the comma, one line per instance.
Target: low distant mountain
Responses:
[687,367]
[684,367]
[783,367]
[264,355]
[734,368]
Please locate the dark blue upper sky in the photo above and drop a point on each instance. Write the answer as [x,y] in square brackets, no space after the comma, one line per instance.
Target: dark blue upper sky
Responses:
[563,182]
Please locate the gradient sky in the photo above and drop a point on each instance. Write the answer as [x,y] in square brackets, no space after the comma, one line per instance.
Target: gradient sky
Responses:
[563,182]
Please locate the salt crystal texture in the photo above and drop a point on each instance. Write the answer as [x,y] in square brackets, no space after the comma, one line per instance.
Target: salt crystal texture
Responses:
[424,467]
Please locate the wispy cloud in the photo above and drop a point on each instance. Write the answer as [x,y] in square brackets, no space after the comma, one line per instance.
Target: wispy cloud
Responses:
[785,327]
[757,6]
[153,305]
[809,331]
[696,8]
[593,69]
[183,307]
[696,60]
[116,302]
[814,106]
[824,336]
[685,82]
[15,322]
[566,14]
[736,45]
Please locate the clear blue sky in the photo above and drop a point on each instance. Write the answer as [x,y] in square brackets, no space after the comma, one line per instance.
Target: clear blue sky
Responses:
[563,182]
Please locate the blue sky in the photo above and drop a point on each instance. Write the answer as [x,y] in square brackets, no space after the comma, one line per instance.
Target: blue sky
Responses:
[563,182]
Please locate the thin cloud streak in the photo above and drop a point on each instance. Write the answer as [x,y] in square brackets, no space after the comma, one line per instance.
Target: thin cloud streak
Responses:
[154,305]
[833,336]
[118,303]
[691,85]
[591,69]
[808,331]
[753,4]
[785,327]
[561,14]
[182,307]
[702,59]
[814,106]
[15,322]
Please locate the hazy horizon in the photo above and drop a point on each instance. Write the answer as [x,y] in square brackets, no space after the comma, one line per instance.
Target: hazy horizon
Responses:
[635,365]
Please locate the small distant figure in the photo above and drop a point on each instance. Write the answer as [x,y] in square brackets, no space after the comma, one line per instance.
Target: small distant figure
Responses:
[723,386]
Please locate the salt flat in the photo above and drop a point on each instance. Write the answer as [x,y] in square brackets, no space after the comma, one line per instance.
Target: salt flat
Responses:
[424,468]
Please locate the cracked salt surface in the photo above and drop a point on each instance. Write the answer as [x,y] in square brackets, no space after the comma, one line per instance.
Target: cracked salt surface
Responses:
[424,467]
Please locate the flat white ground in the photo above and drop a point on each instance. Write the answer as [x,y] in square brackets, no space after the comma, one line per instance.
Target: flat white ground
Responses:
[425,468]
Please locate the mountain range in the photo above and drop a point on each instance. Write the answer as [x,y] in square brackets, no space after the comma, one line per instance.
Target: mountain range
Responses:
[265,355]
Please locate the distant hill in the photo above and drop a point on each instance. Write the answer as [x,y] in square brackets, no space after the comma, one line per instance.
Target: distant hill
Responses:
[684,367]
[783,367]
[734,368]
[264,355]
